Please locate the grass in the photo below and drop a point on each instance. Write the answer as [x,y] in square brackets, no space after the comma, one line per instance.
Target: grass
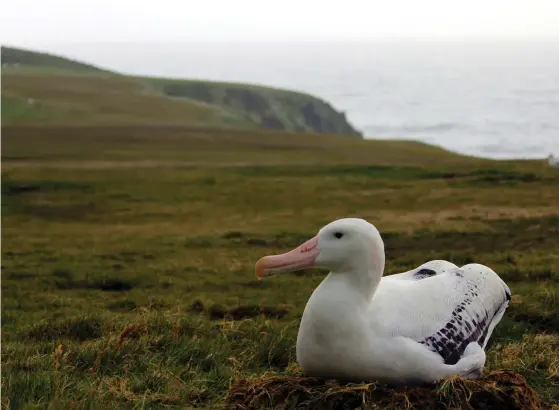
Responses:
[128,255]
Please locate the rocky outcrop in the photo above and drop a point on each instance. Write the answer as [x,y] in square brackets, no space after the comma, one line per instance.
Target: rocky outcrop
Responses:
[266,107]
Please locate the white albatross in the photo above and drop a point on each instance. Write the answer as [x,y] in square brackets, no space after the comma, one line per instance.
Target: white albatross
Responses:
[400,329]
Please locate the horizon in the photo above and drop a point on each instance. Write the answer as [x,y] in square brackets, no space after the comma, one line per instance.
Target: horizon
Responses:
[99,53]
[107,33]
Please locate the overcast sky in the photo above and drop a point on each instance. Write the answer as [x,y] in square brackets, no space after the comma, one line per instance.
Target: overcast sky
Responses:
[39,23]
[163,37]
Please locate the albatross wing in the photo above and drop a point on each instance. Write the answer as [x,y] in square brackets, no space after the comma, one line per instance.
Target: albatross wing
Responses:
[444,312]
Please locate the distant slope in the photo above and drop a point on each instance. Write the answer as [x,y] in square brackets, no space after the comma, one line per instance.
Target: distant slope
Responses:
[12,56]
[42,88]
[263,106]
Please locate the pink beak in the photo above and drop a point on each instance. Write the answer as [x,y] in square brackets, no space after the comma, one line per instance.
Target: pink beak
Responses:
[299,258]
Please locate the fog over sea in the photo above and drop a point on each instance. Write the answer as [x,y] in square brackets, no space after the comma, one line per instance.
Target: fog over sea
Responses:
[489,99]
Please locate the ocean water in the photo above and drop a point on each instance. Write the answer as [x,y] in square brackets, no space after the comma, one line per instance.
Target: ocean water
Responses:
[488,99]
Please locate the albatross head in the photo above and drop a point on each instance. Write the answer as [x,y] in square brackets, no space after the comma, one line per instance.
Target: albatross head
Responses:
[343,246]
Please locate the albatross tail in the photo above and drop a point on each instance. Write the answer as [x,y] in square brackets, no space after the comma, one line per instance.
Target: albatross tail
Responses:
[470,366]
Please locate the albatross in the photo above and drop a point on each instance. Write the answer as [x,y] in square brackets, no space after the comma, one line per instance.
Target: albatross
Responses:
[419,326]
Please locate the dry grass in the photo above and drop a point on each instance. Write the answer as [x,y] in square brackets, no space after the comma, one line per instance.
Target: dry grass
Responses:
[539,351]
[497,390]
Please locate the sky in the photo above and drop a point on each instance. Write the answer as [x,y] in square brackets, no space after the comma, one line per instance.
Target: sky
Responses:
[53,23]
[163,37]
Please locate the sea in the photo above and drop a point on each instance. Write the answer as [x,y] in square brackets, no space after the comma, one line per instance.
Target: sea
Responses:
[492,99]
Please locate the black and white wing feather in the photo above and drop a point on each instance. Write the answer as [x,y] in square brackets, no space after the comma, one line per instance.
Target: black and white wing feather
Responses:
[444,312]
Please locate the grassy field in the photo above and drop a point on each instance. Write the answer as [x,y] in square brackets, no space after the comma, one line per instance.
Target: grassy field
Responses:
[128,253]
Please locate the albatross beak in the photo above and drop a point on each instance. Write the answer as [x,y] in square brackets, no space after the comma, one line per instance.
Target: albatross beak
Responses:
[297,259]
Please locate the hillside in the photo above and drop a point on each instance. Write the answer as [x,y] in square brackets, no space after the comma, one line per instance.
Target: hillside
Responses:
[43,88]
[265,106]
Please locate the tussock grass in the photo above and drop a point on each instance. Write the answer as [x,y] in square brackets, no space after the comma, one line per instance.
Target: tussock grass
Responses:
[537,357]
[128,261]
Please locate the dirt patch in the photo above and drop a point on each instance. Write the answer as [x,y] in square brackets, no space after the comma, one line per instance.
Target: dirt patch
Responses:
[47,186]
[20,275]
[106,284]
[245,312]
[518,275]
[112,285]
[256,242]
[543,322]
[74,329]
[497,390]
[20,188]
[257,284]
[197,307]
[490,176]
[126,305]
[233,235]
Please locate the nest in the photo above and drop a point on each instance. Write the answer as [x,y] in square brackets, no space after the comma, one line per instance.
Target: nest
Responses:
[497,390]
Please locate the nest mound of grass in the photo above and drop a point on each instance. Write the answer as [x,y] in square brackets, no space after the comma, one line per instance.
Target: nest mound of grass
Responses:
[497,390]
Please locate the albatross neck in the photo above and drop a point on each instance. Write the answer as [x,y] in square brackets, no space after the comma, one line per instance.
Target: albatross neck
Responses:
[361,275]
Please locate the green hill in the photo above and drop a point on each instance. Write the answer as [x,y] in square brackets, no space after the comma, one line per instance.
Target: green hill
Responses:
[43,88]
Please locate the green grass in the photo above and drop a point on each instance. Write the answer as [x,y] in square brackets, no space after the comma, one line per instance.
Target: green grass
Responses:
[128,253]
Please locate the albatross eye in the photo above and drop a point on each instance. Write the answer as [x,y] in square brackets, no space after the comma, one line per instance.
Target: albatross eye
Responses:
[338,235]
